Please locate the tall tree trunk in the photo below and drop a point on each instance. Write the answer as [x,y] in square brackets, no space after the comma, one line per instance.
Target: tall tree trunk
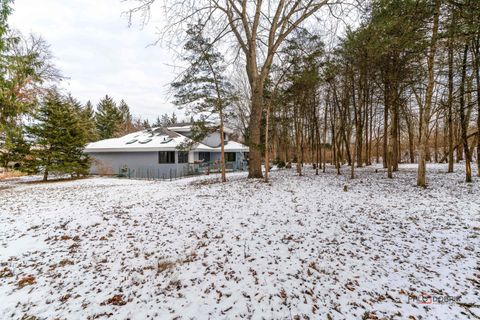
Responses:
[392,145]
[394,132]
[255,154]
[377,147]
[464,118]
[477,78]
[385,129]
[458,139]
[367,127]
[421,175]
[352,166]
[450,102]
[325,128]
[267,157]
[222,147]
[369,157]
[435,144]
[411,150]
[389,137]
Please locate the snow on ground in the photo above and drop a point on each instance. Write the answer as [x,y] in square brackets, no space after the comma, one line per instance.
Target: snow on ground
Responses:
[297,248]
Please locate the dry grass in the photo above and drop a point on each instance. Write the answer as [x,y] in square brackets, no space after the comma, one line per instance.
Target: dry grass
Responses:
[11,175]
[165,265]
[56,180]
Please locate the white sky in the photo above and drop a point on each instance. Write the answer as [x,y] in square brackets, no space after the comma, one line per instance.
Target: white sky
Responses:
[99,54]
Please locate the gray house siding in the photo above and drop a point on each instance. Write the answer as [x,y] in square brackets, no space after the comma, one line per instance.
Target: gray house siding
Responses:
[139,163]
[145,164]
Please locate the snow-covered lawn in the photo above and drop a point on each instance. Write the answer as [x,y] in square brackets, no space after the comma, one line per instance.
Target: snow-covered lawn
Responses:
[298,248]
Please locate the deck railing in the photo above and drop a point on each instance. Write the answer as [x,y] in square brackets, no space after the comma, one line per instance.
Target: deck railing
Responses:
[180,171]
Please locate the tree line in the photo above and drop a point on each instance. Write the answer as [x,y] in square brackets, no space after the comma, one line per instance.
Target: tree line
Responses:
[42,128]
[401,86]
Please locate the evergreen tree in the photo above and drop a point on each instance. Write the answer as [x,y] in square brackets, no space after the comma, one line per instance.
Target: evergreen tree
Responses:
[157,123]
[25,65]
[165,120]
[58,138]
[88,114]
[146,124]
[86,117]
[173,119]
[13,147]
[108,118]
[125,111]
[127,124]
[203,87]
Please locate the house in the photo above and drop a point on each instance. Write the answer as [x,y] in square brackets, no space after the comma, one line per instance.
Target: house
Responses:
[158,153]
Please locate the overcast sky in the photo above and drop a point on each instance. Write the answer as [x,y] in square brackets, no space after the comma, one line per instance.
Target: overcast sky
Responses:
[99,54]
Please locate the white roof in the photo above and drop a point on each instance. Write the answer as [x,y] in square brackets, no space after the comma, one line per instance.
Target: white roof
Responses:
[156,139]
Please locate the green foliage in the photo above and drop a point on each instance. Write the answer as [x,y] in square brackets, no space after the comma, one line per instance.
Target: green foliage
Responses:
[396,35]
[125,112]
[58,136]
[86,117]
[108,118]
[13,147]
[302,52]
[202,87]
[146,124]
[165,120]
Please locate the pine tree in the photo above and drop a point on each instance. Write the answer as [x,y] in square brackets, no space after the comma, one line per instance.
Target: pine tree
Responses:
[157,123]
[108,118]
[125,111]
[127,124]
[13,146]
[88,115]
[58,138]
[203,87]
[146,124]
[165,121]
[173,119]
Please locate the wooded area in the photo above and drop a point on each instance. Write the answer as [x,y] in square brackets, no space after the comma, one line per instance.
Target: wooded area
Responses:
[402,86]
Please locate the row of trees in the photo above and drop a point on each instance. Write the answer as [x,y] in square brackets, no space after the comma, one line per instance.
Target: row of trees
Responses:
[27,75]
[403,86]
[115,120]
[55,139]
[59,127]
[41,128]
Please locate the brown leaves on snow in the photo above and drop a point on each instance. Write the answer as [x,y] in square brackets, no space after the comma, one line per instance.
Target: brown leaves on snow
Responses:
[28,280]
[116,300]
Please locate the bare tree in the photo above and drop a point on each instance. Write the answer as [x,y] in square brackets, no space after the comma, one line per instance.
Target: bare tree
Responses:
[258,28]
[426,112]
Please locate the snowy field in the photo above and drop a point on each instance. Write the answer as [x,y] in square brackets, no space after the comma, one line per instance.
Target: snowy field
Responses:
[298,248]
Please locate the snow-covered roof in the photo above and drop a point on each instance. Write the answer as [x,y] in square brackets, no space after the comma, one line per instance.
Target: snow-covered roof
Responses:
[156,139]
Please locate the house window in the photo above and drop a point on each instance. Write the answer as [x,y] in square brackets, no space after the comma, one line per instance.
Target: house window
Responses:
[230,156]
[205,156]
[182,156]
[166,157]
